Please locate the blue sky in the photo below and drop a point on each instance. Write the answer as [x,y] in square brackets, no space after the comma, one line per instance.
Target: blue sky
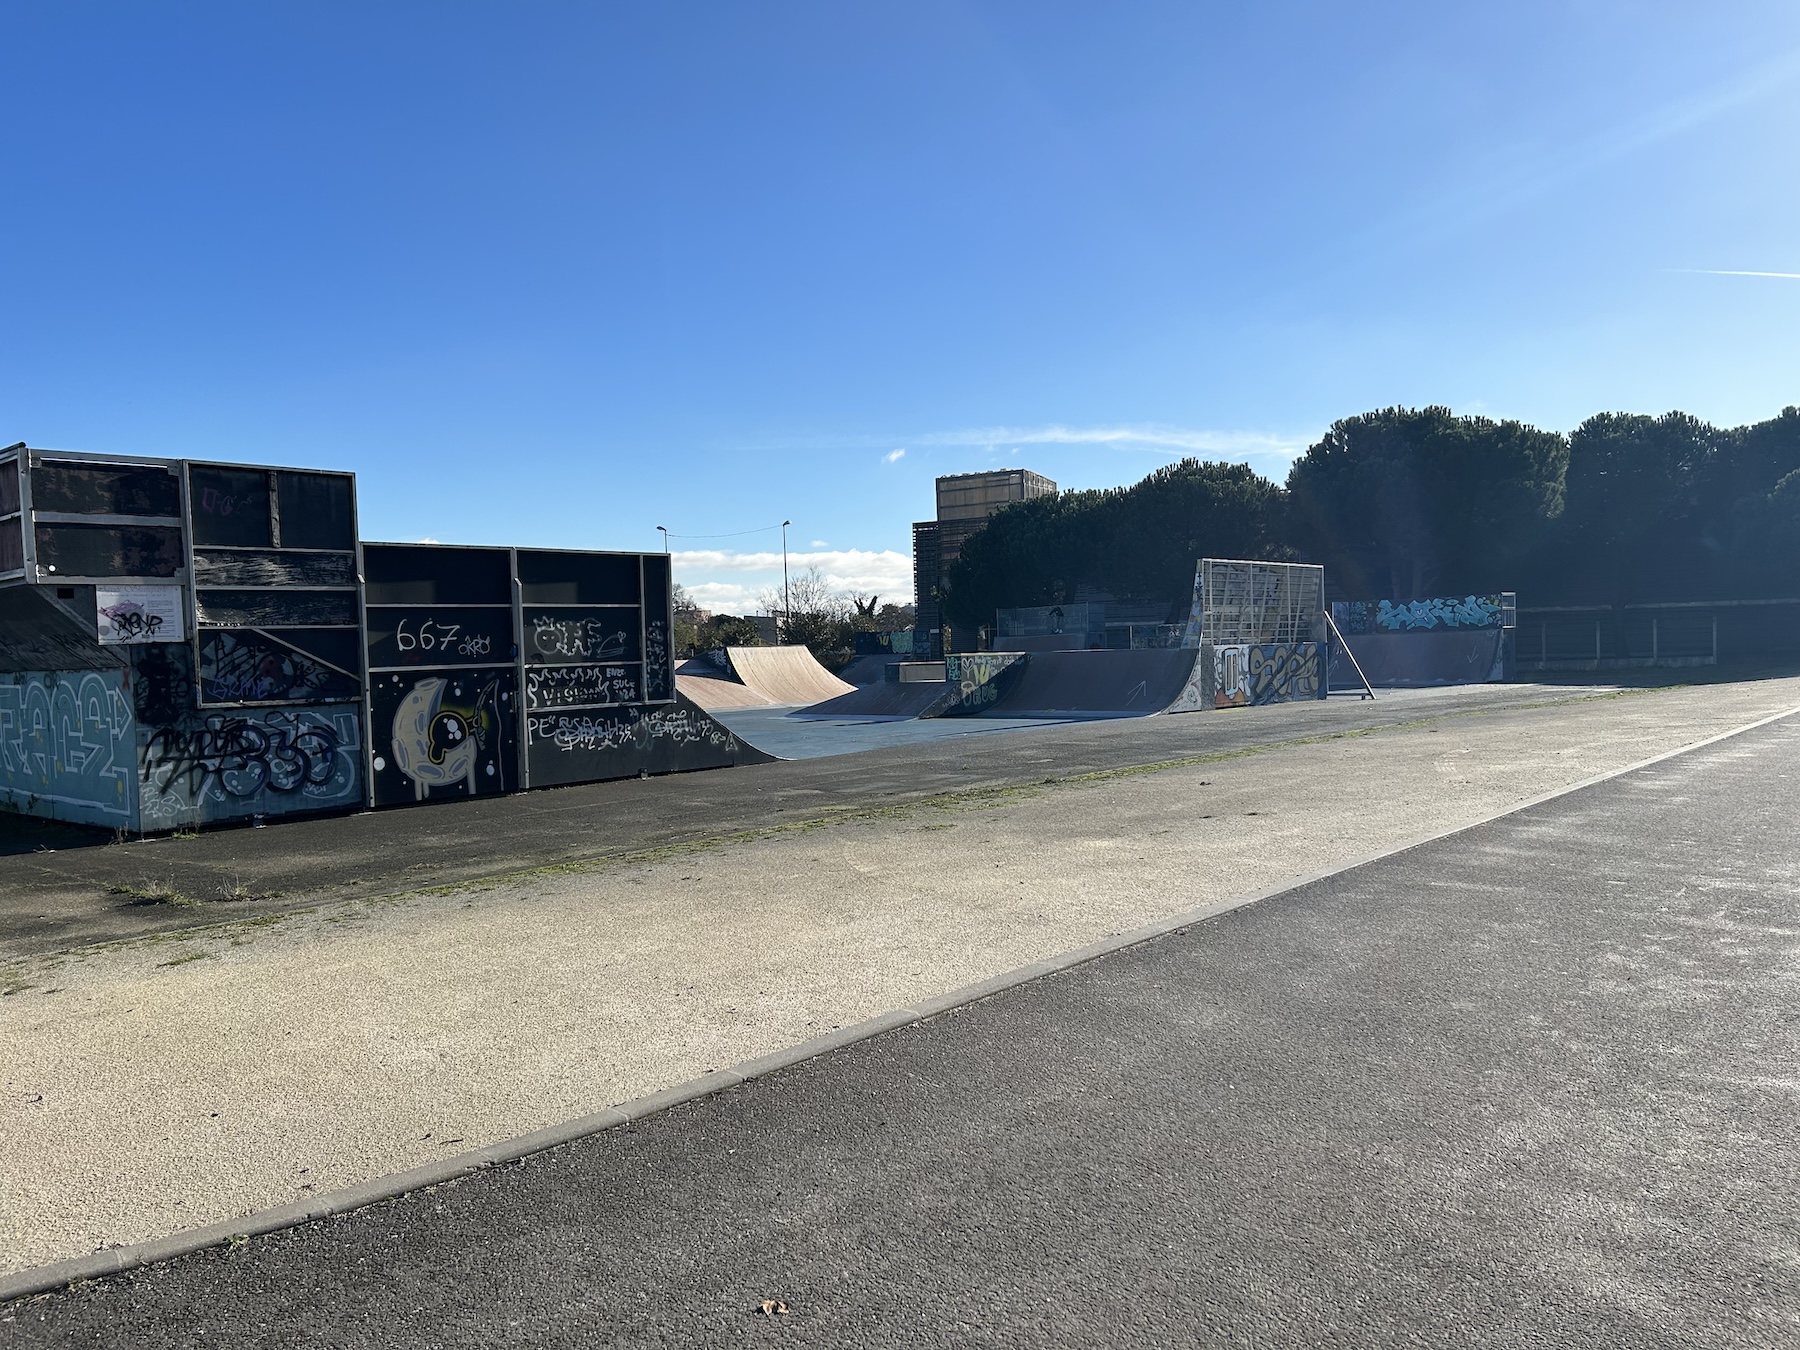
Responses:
[560,273]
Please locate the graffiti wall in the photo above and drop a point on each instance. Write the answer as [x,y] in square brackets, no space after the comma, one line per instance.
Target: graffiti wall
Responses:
[240,665]
[444,733]
[1408,616]
[977,681]
[1245,675]
[67,749]
[233,765]
[592,744]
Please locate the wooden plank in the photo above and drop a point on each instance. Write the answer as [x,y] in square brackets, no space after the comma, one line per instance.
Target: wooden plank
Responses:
[276,609]
[254,567]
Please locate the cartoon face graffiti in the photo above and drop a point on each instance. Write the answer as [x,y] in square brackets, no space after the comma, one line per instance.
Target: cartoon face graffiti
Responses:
[438,742]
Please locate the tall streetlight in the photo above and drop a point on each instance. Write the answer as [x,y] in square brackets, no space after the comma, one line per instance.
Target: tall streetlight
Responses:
[787,600]
[665,535]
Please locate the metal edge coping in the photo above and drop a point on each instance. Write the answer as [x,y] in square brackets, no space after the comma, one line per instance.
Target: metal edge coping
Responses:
[115,1260]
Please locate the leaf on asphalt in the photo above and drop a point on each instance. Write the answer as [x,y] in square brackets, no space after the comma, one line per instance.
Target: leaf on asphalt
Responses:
[773,1307]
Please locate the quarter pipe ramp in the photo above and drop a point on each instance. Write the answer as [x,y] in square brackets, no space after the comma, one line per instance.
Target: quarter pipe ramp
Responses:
[785,675]
[1132,683]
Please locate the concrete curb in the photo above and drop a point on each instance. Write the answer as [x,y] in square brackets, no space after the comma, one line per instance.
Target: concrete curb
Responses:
[111,1261]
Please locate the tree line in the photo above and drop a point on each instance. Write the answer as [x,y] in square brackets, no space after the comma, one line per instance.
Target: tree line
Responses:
[814,614]
[1405,503]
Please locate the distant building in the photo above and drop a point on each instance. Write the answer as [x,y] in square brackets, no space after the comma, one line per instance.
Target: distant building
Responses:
[964,503]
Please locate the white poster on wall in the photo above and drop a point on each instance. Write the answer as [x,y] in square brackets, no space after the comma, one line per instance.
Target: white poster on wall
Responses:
[139,614]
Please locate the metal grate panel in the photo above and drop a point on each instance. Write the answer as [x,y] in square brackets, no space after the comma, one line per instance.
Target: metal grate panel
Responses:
[1241,601]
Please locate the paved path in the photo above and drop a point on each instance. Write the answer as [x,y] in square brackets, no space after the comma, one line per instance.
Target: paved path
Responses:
[1531,1085]
[187,1078]
[65,897]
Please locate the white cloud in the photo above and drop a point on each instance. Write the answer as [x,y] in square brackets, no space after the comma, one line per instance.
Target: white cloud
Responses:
[427,540]
[723,580]
[1269,448]
[820,543]
[1720,272]
[1152,436]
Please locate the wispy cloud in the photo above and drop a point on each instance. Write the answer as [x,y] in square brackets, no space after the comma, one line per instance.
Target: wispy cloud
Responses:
[1147,436]
[1726,272]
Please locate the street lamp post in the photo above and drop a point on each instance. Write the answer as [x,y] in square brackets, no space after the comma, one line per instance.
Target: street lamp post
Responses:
[787,599]
[665,535]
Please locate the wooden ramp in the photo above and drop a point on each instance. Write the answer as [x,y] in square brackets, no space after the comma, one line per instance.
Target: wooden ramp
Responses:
[785,675]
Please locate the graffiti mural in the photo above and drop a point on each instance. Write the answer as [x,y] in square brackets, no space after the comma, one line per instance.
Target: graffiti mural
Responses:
[577,635]
[447,734]
[1406,616]
[1195,695]
[1251,674]
[128,615]
[658,673]
[977,680]
[261,762]
[448,636]
[585,747]
[579,686]
[162,682]
[241,665]
[66,746]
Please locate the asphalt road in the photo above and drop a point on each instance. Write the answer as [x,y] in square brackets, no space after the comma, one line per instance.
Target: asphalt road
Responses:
[1532,1085]
[62,887]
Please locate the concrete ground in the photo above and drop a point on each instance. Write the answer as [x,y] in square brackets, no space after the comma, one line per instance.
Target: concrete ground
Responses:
[195,1074]
[779,732]
[1531,1085]
[62,887]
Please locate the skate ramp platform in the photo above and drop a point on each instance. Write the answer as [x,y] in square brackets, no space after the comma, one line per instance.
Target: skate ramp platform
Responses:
[1093,684]
[890,698]
[1418,660]
[711,690]
[867,670]
[785,675]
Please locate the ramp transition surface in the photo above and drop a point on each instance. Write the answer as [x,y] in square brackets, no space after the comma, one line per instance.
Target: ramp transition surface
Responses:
[1097,684]
[713,691]
[1416,660]
[785,675]
[890,698]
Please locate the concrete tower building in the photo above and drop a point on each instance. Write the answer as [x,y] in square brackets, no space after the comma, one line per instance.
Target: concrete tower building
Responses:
[964,503]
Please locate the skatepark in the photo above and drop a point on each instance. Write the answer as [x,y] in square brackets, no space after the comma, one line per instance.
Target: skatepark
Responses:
[780,700]
[722,917]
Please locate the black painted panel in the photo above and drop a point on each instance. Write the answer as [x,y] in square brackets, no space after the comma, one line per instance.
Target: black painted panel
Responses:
[264,609]
[421,574]
[36,634]
[244,567]
[440,635]
[581,686]
[587,747]
[9,487]
[162,682]
[581,635]
[318,510]
[340,647]
[550,578]
[12,546]
[238,666]
[659,666]
[229,506]
[109,550]
[444,734]
[103,490]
